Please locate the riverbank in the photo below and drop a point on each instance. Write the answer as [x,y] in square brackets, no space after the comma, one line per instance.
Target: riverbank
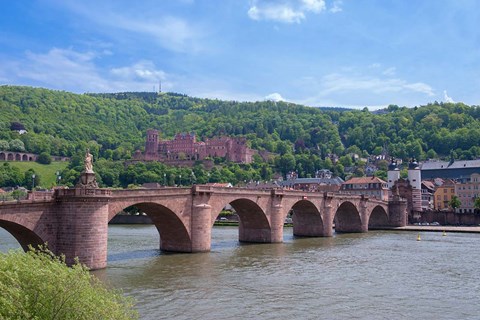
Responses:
[438,229]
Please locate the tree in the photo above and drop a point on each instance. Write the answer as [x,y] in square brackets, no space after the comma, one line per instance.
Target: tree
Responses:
[17,145]
[455,203]
[44,158]
[4,145]
[286,163]
[39,285]
[476,204]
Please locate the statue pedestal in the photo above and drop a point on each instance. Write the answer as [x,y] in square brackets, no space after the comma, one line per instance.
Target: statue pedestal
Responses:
[87,180]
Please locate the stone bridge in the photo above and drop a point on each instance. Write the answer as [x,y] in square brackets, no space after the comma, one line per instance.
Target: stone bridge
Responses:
[75,221]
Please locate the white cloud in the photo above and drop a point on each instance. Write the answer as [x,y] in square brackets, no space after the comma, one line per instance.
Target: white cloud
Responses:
[289,11]
[446,98]
[390,71]
[315,6]
[336,7]
[343,83]
[368,87]
[61,69]
[170,32]
[66,69]
[143,71]
[418,87]
[274,97]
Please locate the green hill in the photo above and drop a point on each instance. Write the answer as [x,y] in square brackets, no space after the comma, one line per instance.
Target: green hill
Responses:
[113,126]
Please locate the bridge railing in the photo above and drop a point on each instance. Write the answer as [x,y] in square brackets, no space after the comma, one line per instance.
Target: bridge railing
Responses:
[82,192]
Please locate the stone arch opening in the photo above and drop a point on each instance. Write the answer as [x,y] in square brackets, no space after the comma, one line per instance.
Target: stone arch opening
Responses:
[24,157]
[378,218]
[10,156]
[23,235]
[347,218]
[18,157]
[307,221]
[253,225]
[2,156]
[173,234]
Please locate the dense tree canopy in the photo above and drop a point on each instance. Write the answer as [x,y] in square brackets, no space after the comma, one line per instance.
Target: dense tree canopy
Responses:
[113,126]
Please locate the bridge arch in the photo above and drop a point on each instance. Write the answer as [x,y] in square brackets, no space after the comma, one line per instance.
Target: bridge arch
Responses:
[173,232]
[253,223]
[3,156]
[253,226]
[347,218]
[307,220]
[24,235]
[378,218]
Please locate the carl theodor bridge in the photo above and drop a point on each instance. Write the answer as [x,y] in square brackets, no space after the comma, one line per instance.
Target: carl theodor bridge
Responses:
[74,222]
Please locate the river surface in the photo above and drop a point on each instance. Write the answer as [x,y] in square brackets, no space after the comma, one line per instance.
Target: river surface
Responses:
[376,275]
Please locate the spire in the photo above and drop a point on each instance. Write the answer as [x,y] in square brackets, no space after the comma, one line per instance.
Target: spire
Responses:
[393,165]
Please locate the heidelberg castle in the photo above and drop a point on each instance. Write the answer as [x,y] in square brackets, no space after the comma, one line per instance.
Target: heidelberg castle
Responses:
[185,148]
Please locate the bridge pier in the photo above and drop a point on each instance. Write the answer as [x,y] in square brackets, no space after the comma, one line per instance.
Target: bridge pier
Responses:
[201,233]
[363,215]
[328,220]
[83,231]
[276,223]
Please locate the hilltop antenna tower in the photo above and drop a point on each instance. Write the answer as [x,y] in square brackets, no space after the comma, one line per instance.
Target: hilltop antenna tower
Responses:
[159,86]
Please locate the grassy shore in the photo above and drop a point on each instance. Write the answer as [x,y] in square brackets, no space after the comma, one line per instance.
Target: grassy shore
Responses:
[47,172]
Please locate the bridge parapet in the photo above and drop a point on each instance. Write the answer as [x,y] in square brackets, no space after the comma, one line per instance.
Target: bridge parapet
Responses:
[76,192]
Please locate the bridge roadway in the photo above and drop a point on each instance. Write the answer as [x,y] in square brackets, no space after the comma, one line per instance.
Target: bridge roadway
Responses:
[74,222]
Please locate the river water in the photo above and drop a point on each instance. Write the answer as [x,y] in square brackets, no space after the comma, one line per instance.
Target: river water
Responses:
[376,275]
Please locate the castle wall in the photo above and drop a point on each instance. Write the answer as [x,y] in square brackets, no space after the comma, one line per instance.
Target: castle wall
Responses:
[184,147]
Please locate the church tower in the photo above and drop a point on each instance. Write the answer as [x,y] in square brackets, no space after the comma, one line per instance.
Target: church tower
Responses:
[393,173]
[415,179]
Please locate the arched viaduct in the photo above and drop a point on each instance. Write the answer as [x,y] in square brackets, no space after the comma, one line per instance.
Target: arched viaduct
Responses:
[75,221]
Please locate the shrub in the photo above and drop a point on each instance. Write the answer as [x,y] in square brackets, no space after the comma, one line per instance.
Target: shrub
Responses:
[44,158]
[39,285]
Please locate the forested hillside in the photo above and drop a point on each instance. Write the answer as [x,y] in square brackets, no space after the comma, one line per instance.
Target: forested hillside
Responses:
[113,126]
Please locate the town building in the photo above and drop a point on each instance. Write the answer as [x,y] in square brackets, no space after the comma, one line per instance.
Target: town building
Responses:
[370,186]
[454,169]
[427,191]
[467,192]
[185,147]
[443,194]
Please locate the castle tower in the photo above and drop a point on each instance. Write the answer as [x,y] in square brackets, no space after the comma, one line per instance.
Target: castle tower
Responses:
[415,179]
[393,173]
[151,144]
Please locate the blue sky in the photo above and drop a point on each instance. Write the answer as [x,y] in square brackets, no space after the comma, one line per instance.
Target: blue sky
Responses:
[349,53]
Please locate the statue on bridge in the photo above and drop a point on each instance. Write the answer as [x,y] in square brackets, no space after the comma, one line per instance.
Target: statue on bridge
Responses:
[87,177]
[88,161]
